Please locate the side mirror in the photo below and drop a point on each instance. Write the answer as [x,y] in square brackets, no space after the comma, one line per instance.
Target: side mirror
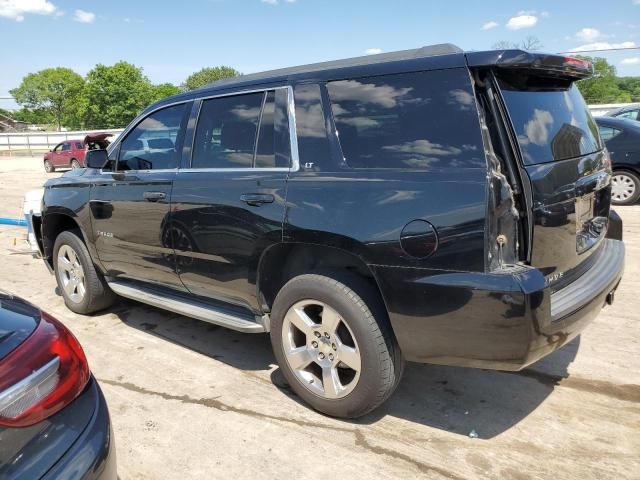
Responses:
[96,158]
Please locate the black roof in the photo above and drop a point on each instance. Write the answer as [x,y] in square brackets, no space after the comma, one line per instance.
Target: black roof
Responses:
[402,55]
[445,55]
[432,57]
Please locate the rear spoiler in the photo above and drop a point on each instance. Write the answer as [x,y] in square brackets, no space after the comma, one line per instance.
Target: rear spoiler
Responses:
[542,63]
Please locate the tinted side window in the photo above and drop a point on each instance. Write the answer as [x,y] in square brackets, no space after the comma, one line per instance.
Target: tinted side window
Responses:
[408,121]
[313,143]
[226,132]
[79,146]
[607,133]
[152,144]
[631,114]
[66,147]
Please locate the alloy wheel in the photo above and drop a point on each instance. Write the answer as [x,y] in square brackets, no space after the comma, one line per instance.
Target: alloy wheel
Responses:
[71,274]
[321,349]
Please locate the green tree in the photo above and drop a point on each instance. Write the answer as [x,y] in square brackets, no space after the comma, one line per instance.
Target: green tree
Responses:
[208,75]
[602,87]
[630,85]
[55,90]
[114,95]
[164,90]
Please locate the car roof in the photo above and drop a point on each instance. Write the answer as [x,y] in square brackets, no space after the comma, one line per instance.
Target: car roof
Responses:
[441,56]
[444,55]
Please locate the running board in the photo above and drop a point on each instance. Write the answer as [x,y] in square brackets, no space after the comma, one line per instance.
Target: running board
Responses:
[191,308]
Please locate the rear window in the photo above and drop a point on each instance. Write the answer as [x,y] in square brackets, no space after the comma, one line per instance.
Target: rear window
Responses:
[552,123]
[408,121]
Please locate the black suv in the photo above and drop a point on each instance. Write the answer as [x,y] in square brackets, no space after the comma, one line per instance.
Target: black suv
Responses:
[429,205]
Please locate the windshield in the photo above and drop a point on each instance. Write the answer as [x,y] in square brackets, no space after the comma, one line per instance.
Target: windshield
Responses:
[552,122]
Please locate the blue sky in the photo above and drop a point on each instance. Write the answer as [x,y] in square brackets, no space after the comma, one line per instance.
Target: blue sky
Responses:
[170,40]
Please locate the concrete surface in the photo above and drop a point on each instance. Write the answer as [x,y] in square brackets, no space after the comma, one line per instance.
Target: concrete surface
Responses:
[190,400]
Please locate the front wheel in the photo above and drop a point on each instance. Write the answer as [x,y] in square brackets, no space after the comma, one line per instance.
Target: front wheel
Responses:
[332,340]
[625,188]
[48,167]
[83,288]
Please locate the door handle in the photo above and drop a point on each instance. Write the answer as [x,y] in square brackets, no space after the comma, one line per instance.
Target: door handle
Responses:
[257,199]
[154,196]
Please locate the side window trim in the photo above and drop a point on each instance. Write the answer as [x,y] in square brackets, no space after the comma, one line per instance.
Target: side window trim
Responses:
[257,135]
[293,139]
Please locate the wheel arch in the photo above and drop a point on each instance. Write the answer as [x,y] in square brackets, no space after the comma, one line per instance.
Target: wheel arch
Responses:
[53,224]
[283,261]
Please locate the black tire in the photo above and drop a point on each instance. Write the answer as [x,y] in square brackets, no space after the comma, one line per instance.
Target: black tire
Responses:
[635,179]
[361,308]
[75,164]
[97,295]
[48,167]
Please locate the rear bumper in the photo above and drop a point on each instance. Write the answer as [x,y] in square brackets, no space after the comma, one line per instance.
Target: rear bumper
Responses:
[500,321]
[93,455]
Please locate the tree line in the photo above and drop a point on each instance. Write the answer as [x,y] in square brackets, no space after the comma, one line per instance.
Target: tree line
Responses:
[107,97]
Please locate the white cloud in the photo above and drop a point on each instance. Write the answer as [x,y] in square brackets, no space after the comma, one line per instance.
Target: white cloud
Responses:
[636,2]
[373,51]
[631,61]
[602,46]
[83,16]
[589,34]
[490,25]
[522,20]
[17,9]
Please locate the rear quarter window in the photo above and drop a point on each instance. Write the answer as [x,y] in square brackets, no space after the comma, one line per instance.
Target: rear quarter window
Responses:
[408,121]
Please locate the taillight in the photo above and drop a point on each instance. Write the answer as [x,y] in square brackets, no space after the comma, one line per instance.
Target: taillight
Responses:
[578,63]
[43,375]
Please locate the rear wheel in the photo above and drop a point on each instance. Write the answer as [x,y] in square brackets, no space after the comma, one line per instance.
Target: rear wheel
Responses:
[83,288]
[333,342]
[625,188]
[75,164]
[48,167]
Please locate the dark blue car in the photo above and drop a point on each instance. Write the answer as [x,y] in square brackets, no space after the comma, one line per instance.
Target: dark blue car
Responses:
[622,138]
[54,421]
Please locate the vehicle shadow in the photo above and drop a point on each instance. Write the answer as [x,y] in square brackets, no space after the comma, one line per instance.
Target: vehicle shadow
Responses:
[458,400]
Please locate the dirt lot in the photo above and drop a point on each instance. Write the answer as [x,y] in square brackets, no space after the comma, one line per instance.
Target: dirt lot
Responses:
[190,400]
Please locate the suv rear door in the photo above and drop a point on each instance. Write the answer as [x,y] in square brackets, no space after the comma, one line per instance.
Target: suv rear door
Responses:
[228,204]
[130,205]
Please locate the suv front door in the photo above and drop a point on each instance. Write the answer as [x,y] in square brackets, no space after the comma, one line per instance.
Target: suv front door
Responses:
[228,205]
[130,205]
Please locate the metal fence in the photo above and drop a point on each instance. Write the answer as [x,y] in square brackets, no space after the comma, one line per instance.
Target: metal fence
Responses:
[30,143]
